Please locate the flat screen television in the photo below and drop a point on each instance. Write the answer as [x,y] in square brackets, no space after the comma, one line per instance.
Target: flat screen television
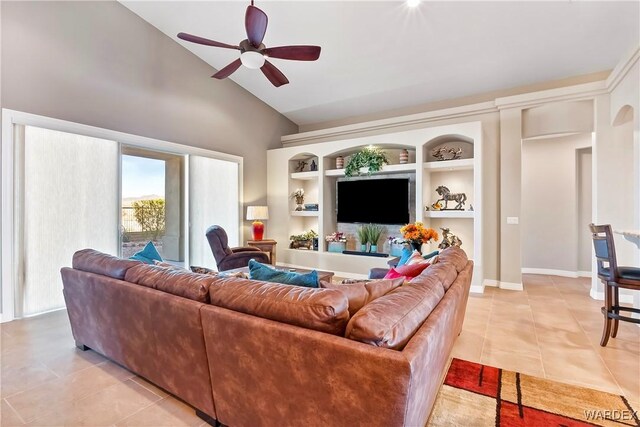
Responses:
[375,201]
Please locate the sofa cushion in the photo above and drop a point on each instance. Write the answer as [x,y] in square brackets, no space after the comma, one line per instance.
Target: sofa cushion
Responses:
[408,271]
[259,271]
[360,294]
[176,282]
[149,254]
[324,310]
[445,272]
[96,262]
[415,258]
[391,320]
[454,255]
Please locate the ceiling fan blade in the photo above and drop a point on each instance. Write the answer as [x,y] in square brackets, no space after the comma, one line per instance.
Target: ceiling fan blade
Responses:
[255,21]
[274,75]
[296,53]
[228,70]
[201,40]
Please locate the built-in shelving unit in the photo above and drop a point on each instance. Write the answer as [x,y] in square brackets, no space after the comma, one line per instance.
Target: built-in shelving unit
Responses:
[304,176]
[305,213]
[425,171]
[449,214]
[451,165]
[386,169]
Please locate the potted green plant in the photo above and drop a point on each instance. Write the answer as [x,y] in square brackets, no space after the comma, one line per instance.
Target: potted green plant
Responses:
[304,240]
[375,232]
[363,236]
[371,158]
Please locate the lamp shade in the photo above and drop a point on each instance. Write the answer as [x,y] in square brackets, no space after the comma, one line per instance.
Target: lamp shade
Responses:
[257,213]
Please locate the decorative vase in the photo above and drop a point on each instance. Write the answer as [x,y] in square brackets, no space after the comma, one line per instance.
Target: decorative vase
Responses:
[363,247]
[416,246]
[336,247]
[339,162]
[374,248]
[299,203]
[404,156]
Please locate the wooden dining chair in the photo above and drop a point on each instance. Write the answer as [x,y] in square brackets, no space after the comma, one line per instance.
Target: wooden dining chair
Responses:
[613,277]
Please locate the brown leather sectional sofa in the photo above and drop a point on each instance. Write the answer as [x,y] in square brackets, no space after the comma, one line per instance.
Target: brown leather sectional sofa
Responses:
[247,353]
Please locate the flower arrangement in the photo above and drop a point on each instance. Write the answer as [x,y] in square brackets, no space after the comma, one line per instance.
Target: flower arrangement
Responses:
[396,240]
[417,234]
[336,237]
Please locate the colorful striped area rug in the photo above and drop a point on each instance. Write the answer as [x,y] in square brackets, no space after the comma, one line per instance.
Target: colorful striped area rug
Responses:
[475,395]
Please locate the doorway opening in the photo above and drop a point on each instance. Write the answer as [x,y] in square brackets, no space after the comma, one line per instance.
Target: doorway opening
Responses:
[152,203]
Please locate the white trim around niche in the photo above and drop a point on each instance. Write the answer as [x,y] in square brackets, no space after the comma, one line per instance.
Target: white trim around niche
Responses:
[10,118]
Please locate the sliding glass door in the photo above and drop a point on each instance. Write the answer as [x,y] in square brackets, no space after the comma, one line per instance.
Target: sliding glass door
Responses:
[72,191]
[68,201]
[213,200]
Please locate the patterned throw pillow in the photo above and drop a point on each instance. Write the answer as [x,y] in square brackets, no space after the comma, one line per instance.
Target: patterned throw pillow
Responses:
[415,258]
[204,270]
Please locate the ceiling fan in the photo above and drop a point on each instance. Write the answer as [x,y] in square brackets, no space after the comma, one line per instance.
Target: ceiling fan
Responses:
[253,53]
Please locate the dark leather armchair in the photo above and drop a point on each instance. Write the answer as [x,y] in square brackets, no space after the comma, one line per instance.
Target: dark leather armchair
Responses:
[229,258]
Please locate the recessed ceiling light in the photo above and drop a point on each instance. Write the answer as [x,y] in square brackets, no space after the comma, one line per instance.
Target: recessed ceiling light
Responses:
[413,3]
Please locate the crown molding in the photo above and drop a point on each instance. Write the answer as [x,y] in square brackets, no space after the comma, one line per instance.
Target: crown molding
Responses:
[567,93]
[340,132]
[623,68]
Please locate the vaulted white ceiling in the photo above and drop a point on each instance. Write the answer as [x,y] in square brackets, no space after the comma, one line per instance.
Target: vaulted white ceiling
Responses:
[383,55]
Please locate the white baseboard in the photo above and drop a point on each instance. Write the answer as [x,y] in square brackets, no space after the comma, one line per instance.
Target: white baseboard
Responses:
[5,318]
[477,289]
[503,285]
[624,298]
[552,272]
[511,286]
[491,282]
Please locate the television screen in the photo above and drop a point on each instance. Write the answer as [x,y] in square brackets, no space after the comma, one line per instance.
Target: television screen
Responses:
[376,201]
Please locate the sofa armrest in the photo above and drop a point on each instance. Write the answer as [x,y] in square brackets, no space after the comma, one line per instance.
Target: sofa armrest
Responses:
[241,259]
[393,262]
[378,273]
[244,249]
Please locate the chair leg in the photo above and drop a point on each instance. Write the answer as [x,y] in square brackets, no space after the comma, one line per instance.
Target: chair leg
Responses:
[606,331]
[616,303]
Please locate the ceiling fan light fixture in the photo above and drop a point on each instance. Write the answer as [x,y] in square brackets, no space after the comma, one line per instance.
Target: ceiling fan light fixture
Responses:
[251,59]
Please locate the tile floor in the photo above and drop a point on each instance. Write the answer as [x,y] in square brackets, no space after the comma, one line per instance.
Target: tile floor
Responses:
[551,330]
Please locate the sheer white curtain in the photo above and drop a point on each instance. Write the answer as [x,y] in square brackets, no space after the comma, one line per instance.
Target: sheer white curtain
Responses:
[213,200]
[68,186]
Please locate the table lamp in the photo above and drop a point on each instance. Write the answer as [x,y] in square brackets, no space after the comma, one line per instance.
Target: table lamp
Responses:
[257,214]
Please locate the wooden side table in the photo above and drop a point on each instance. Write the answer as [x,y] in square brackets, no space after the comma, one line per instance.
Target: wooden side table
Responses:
[266,245]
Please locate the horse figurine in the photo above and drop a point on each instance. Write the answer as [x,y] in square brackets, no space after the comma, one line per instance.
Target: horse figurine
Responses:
[448,239]
[446,195]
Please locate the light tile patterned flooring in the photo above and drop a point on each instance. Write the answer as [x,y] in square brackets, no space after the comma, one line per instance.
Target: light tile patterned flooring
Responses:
[551,330]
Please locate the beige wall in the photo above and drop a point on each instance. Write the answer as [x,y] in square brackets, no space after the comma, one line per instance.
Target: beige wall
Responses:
[552,182]
[98,63]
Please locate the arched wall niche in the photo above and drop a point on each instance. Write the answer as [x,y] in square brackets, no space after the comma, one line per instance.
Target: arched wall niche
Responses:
[302,162]
[447,145]
[624,115]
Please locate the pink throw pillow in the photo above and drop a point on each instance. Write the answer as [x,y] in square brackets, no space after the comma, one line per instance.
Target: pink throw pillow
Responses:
[413,270]
[393,274]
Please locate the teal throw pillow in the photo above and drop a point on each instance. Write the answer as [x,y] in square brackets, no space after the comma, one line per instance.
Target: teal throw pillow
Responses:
[406,254]
[148,255]
[431,254]
[265,273]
